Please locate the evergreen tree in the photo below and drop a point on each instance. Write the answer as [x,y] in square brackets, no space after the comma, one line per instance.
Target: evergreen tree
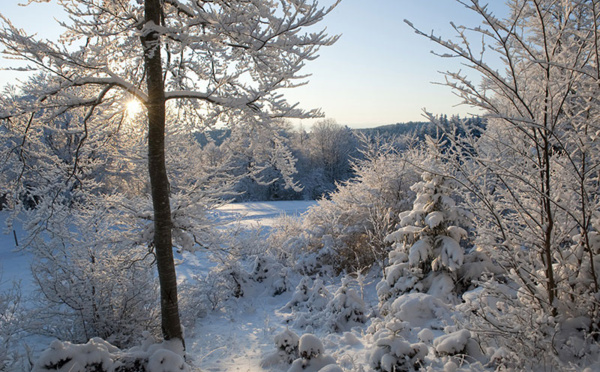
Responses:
[427,247]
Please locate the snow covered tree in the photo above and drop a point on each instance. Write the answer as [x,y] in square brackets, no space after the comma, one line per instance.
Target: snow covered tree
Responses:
[346,309]
[287,350]
[12,319]
[263,160]
[347,230]
[532,175]
[331,148]
[312,355]
[206,62]
[427,246]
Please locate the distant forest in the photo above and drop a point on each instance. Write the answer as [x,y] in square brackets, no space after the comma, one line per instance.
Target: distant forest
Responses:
[319,159]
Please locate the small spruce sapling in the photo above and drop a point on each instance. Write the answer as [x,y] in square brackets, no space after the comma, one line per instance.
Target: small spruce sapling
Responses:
[308,304]
[346,309]
[287,350]
[427,251]
[392,351]
[312,357]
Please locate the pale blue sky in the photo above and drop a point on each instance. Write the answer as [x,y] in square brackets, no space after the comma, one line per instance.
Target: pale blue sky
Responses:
[380,72]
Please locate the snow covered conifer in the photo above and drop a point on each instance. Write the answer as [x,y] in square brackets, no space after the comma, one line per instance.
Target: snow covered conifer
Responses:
[309,295]
[345,309]
[312,357]
[308,304]
[270,272]
[427,250]
[392,351]
[287,349]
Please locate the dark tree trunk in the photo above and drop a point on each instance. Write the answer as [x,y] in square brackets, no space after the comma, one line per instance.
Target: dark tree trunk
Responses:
[159,182]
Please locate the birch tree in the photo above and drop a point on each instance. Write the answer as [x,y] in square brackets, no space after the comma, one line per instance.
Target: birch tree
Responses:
[201,62]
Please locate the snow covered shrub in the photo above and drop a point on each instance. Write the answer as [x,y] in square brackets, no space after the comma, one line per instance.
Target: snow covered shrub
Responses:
[392,352]
[94,270]
[228,280]
[312,357]
[287,350]
[223,283]
[420,310]
[452,343]
[288,343]
[515,333]
[308,303]
[309,295]
[410,317]
[97,355]
[347,230]
[427,247]
[346,309]
[283,240]
[12,318]
[271,273]
[202,294]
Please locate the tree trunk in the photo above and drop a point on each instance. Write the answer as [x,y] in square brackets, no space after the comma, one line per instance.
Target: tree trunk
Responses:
[159,182]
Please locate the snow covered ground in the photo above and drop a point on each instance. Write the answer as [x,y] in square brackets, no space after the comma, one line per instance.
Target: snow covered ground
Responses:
[238,336]
[14,263]
[262,214]
[240,333]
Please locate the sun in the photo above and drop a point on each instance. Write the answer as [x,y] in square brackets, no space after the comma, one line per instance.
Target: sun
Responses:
[133,107]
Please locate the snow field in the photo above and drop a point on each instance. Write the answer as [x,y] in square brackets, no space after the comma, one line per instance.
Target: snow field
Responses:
[282,321]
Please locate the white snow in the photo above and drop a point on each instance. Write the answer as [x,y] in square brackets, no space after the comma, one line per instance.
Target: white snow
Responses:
[419,251]
[264,332]
[418,309]
[425,335]
[433,219]
[262,214]
[74,358]
[310,346]
[452,343]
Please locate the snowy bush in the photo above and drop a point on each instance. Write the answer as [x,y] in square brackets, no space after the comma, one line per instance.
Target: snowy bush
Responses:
[392,352]
[410,317]
[93,285]
[309,295]
[97,355]
[287,350]
[95,276]
[399,278]
[271,274]
[516,334]
[452,343]
[228,280]
[347,230]
[312,357]
[205,293]
[420,310]
[284,241]
[345,310]
[308,303]
[12,322]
